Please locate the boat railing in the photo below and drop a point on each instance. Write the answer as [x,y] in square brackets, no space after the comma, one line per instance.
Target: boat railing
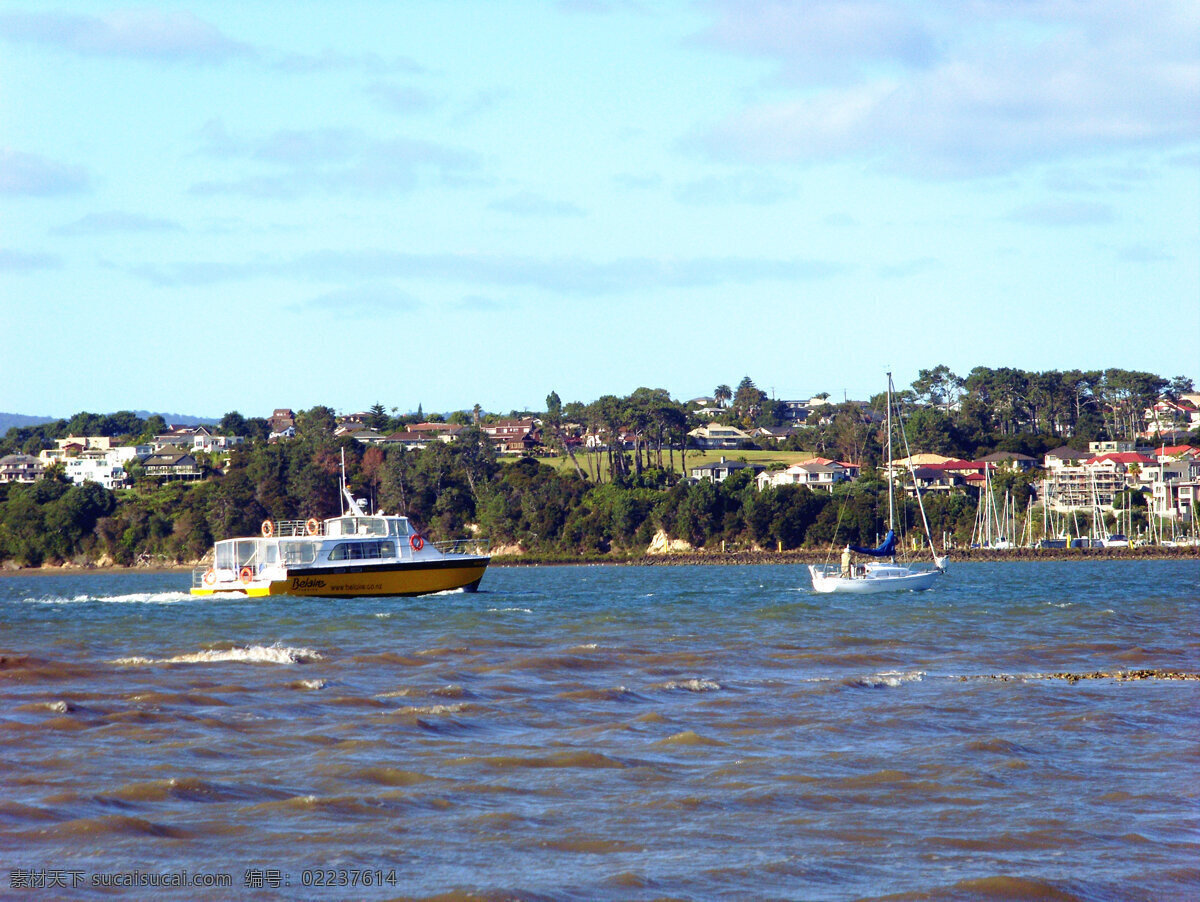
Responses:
[290,528]
[461,546]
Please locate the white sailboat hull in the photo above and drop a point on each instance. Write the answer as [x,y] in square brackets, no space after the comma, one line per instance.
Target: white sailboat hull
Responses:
[878,578]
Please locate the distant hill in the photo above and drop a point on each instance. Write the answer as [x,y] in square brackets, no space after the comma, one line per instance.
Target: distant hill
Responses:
[9,420]
[179,419]
[20,420]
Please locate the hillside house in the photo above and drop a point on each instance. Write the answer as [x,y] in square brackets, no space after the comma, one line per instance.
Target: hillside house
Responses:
[719,471]
[510,436]
[714,436]
[818,473]
[443,432]
[1011,460]
[171,466]
[21,468]
[1094,482]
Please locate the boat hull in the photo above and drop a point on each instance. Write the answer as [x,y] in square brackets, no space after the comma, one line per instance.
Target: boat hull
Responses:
[873,583]
[416,578]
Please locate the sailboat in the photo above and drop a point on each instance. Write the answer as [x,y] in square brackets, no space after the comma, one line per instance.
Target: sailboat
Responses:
[882,575]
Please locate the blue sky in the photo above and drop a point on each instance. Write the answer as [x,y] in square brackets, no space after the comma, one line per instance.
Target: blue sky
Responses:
[211,206]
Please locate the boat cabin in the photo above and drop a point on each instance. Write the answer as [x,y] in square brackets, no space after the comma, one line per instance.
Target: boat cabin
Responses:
[376,538]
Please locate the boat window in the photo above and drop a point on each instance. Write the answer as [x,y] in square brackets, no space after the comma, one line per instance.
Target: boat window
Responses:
[224,556]
[298,552]
[357,526]
[246,551]
[356,551]
[398,526]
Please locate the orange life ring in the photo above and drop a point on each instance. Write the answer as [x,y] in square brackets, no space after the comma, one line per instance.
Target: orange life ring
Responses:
[246,575]
[268,529]
[416,542]
[209,577]
[313,526]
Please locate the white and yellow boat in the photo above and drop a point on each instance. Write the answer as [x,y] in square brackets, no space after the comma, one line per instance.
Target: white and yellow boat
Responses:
[350,556]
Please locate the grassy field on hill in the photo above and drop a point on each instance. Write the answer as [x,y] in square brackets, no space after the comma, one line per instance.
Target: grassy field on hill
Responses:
[770,459]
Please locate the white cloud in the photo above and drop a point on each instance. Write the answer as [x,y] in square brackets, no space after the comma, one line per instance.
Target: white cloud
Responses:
[534,205]
[298,162]
[369,300]
[116,221]
[1063,213]
[1043,81]
[21,262]
[33,175]
[144,33]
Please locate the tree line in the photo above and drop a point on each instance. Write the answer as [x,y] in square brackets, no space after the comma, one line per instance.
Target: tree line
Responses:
[613,499]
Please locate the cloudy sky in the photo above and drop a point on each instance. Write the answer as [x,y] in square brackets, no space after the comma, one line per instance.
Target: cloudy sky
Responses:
[209,206]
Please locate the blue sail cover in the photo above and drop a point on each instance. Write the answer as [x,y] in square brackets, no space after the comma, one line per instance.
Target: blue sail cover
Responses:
[887,549]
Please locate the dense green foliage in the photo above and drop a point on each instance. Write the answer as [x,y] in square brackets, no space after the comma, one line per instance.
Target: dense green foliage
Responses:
[462,489]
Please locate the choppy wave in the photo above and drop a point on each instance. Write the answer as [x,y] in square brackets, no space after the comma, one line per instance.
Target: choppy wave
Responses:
[250,654]
[693,685]
[456,708]
[889,679]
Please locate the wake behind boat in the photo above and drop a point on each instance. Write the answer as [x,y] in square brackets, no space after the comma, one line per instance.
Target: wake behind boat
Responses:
[882,575]
[349,556]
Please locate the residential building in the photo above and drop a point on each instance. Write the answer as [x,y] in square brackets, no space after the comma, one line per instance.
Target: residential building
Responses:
[413,441]
[796,411]
[172,466]
[818,473]
[1094,482]
[514,436]
[204,440]
[774,433]
[1010,460]
[444,432]
[714,436]
[1064,456]
[1171,418]
[1173,486]
[282,420]
[21,468]
[721,470]
[104,468]
[85,442]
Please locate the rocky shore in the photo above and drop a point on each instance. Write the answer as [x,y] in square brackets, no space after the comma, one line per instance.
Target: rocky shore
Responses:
[514,556]
[803,556]
[1121,676]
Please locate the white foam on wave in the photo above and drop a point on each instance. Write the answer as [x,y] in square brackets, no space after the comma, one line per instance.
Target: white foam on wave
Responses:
[510,611]
[455,708]
[893,678]
[132,598]
[694,685]
[250,654]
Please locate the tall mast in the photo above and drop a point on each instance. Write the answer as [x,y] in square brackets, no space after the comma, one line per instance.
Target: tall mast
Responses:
[891,475]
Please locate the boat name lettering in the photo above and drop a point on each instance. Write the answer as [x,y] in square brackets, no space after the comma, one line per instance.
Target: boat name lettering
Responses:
[307,583]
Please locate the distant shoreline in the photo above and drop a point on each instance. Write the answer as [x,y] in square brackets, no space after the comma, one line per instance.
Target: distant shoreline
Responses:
[730,558]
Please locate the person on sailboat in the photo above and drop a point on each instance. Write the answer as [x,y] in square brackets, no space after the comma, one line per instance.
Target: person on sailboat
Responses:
[847,558]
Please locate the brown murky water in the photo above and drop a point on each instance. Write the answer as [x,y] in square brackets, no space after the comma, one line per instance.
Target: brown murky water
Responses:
[607,733]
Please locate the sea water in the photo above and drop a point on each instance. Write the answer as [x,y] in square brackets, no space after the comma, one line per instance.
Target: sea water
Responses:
[607,733]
